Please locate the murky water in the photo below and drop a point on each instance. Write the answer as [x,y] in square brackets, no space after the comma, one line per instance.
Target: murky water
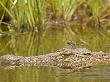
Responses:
[46,74]
[31,43]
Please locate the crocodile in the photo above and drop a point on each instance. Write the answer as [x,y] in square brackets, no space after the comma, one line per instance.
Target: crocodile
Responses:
[64,58]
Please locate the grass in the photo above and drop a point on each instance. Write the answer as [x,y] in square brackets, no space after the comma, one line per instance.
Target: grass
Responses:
[85,21]
[29,15]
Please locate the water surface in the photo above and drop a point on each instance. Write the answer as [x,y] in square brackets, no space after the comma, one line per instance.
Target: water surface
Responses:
[48,74]
[32,44]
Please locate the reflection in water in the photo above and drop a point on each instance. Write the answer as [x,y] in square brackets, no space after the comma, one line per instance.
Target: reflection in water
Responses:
[47,74]
[33,43]
[29,44]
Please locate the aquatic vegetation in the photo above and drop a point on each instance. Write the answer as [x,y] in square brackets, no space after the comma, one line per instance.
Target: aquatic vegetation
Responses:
[64,20]
[26,15]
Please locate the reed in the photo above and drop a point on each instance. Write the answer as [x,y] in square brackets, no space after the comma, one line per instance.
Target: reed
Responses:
[33,14]
[97,8]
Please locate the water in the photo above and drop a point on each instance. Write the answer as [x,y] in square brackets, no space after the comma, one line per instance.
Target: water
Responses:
[31,44]
[47,74]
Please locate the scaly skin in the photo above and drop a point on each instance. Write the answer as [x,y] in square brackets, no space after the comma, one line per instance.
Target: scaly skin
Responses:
[64,58]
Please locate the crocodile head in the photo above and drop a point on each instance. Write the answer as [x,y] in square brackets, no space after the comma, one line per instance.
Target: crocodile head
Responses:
[10,60]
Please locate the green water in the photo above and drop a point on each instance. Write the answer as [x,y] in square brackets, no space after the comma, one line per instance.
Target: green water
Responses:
[31,44]
[46,74]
